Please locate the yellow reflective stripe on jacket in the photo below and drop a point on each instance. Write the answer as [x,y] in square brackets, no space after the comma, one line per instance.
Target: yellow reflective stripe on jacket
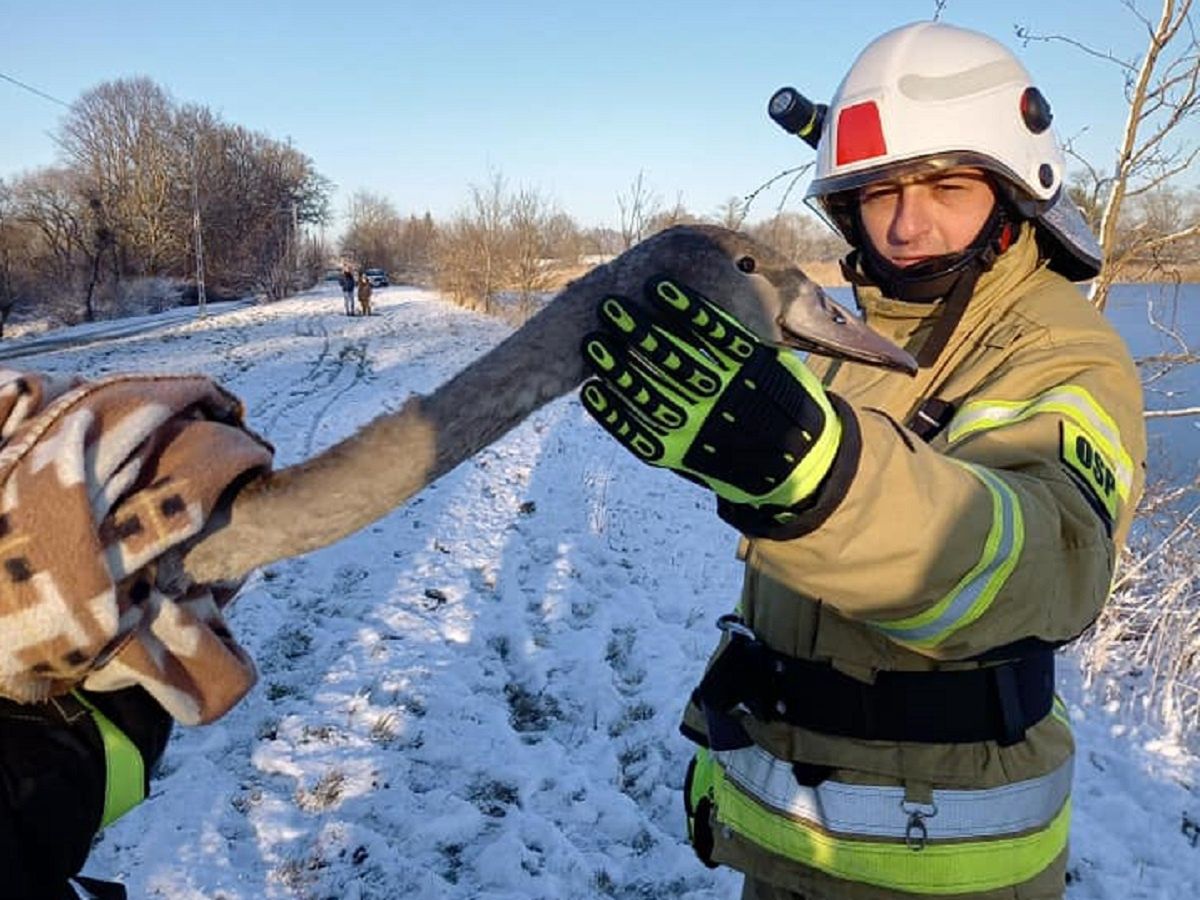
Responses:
[974,593]
[124,769]
[1071,401]
[1003,836]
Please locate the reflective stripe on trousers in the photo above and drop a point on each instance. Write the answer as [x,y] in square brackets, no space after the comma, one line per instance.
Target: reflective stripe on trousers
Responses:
[968,840]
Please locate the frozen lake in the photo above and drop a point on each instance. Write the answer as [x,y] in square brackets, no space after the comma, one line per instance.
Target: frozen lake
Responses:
[1174,443]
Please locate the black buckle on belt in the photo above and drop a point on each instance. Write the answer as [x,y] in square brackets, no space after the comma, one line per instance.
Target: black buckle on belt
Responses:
[723,689]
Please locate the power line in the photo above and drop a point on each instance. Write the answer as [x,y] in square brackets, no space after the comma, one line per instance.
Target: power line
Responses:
[34,90]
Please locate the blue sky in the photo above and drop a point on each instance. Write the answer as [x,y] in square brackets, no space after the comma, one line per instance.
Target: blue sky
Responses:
[417,101]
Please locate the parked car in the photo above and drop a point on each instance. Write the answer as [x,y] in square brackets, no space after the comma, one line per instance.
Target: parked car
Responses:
[377,277]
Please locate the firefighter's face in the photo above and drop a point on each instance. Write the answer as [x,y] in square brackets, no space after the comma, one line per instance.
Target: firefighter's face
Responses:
[910,220]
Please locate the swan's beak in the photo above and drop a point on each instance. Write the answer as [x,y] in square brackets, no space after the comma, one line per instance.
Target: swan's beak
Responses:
[813,321]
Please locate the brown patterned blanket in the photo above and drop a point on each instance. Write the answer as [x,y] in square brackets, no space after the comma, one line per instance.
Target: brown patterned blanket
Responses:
[97,481]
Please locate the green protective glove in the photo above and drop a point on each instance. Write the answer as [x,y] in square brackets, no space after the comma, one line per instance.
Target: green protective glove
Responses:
[691,389]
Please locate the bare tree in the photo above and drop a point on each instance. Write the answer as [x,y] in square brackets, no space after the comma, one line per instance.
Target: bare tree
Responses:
[263,192]
[453,274]
[418,238]
[12,240]
[792,177]
[141,180]
[1087,190]
[490,207]
[315,253]
[373,235]
[637,209]
[732,213]
[564,240]
[470,253]
[98,240]
[51,203]
[531,266]
[602,241]
[45,200]
[1161,90]
[118,136]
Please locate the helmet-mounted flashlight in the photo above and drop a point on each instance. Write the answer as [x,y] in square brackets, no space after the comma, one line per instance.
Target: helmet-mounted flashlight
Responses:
[796,114]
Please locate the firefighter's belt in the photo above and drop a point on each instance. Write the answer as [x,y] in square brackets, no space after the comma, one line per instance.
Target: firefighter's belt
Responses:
[993,703]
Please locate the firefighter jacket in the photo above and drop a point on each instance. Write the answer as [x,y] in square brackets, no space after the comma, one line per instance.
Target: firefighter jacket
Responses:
[992,540]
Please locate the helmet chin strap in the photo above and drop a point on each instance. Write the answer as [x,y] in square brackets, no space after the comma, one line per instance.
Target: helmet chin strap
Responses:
[949,278]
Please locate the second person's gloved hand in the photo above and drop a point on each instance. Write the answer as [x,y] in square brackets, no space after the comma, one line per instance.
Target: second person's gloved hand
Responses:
[689,388]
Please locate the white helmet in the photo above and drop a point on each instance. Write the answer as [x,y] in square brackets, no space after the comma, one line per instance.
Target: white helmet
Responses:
[929,96]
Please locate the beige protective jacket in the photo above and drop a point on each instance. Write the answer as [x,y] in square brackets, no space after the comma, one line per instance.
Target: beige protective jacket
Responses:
[1005,526]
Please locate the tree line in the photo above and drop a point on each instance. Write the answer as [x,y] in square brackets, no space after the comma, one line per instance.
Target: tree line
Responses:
[515,241]
[151,197]
[140,178]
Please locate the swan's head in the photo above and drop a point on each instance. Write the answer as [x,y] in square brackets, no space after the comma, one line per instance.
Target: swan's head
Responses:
[762,289]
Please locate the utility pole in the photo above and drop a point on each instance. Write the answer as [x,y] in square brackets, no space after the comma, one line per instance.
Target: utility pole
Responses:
[295,243]
[201,300]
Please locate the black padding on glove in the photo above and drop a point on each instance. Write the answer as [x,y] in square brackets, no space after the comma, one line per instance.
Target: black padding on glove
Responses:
[779,523]
[762,426]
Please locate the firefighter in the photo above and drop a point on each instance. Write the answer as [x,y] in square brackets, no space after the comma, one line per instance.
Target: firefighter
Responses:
[879,718]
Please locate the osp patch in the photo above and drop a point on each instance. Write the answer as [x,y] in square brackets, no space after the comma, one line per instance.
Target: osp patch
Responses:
[1091,469]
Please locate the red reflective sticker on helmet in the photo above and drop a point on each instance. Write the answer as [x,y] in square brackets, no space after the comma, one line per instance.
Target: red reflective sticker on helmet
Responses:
[859,133]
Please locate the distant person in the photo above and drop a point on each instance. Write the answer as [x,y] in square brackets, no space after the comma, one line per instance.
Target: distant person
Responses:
[364,293]
[346,280]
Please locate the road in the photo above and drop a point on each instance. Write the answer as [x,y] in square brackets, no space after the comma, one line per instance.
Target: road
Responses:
[96,332]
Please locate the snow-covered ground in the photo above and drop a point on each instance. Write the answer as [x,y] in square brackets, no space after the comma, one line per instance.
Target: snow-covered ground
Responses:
[477,696]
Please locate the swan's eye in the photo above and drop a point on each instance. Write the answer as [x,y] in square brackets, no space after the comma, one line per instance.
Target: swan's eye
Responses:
[746,264]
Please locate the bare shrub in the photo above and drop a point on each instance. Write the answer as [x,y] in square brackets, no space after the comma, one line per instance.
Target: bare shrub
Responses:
[502,253]
[799,237]
[415,253]
[529,263]
[1144,650]
[386,727]
[471,252]
[323,795]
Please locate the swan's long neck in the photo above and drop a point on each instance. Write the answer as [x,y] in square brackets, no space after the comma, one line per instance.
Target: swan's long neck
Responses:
[361,479]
